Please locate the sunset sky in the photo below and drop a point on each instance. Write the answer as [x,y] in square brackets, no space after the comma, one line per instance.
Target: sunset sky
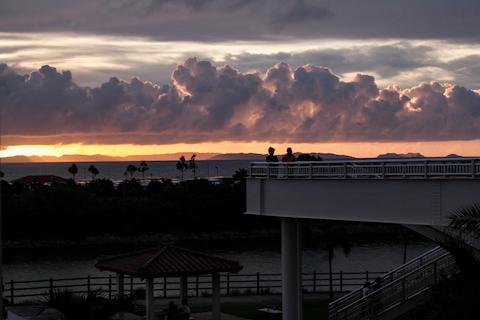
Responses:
[136,77]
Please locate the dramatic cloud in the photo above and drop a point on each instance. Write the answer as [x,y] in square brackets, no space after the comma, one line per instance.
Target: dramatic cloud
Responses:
[219,103]
[95,58]
[220,20]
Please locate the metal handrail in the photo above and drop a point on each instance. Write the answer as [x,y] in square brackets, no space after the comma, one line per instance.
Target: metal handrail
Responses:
[369,168]
[396,292]
[391,276]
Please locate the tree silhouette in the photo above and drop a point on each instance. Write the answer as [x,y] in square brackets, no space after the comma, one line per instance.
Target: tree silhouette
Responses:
[131,170]
[240,175]
[458,296]
[143,167]
[193,165]
[331,237]
[181,165]
[93,170]
[2,174]
[73,169]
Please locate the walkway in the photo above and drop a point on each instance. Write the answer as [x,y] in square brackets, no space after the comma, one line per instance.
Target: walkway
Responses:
[208,316]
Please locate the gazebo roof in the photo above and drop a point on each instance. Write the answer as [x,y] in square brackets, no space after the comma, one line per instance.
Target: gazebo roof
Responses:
[166,261]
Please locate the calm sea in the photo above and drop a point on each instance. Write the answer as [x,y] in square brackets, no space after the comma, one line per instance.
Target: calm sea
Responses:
[255,256]
[116,170]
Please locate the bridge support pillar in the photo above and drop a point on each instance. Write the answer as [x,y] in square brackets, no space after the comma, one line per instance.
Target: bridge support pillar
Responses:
[292,297]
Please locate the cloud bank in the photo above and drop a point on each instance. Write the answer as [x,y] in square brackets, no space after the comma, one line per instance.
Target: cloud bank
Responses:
[207,103]
[220,20]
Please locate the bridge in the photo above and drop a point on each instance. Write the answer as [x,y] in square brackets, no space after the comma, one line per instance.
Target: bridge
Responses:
[419,193]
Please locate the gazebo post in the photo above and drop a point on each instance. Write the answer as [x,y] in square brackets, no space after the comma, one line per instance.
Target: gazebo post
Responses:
[120,284]
[216,296]
[149,298]
[183,288]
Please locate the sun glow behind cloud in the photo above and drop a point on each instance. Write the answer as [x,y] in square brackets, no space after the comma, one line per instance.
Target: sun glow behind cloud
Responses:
[95,58]
[436,148]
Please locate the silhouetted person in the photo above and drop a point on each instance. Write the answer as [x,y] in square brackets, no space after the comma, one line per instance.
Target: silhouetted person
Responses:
[271,157]
[377,283]
[289,157]
[184,312]
[172,311]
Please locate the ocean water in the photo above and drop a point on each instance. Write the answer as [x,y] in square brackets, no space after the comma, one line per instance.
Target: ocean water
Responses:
[261,256]
[116,170]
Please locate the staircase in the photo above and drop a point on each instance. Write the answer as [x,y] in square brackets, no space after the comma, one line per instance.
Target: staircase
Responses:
[399,291]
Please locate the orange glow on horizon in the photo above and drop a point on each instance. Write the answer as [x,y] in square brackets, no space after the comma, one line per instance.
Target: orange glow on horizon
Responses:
[357,149]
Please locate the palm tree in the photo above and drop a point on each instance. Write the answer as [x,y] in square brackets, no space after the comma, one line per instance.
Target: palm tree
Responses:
[93,170]
[333,236]
[131,170]
[143,167]
[73,169]
[467,220]
[181,165]
[458,296]
[193,165]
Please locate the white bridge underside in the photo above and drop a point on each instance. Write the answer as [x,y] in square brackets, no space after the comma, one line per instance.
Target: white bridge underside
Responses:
[414,200]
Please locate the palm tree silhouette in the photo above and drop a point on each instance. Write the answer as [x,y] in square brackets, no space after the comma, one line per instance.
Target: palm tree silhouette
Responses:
[73,170]
[331,237]
[131,170]
[193,165]
[181,165]
[143,167]
[93,170]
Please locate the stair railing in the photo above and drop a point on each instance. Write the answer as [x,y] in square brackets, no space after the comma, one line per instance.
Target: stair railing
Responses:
[397,292]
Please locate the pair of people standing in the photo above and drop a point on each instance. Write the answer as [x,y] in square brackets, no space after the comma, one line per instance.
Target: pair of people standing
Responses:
[289,157]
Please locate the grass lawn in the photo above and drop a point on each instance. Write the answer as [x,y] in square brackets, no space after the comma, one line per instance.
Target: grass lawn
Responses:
[317,310]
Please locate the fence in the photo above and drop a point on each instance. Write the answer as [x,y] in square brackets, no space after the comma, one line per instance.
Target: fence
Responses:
[231,284]
[422,168]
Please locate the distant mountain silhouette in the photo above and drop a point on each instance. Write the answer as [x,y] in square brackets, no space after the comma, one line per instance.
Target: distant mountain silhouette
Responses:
[239,156]
[400,155]
[200,156]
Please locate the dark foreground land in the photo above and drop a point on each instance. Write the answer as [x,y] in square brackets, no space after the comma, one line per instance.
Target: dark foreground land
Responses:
[195,209]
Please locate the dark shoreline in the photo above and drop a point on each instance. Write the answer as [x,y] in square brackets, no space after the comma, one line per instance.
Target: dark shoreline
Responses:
[360,233]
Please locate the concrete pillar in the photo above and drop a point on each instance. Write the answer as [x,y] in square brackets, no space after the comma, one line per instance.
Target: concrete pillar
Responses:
[292,296]
[183,288]
[216,296]
[149,300]
[120,284]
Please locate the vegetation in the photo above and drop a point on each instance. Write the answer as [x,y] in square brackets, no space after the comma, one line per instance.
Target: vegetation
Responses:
[73,170]
[94,171]
[193,165]
[182,165]
[458,296]
[131,169]
[92,306]
[330,236]
[73,211]
[142,168]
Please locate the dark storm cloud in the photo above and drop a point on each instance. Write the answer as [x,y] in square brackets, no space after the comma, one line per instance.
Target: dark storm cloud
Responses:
[218,103]
[387,60]
[222,20]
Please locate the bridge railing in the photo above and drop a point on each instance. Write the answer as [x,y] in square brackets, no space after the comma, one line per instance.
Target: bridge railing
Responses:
[423,168]
[396,292]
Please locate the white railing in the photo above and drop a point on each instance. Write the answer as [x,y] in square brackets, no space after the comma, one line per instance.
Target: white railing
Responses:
[391,276]
[423,168]
[394,293]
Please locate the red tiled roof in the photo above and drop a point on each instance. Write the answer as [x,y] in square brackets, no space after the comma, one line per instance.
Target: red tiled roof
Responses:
[41,178]
[167,261]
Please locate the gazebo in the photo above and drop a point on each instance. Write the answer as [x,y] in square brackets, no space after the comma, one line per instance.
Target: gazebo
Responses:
[168,261]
